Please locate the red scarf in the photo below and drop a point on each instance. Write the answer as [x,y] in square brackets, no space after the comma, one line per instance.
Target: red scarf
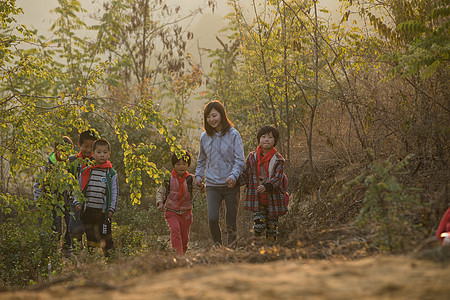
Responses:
[87,172]
[262,160]
[181,190]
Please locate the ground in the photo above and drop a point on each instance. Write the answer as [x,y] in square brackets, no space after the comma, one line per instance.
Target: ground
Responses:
[224,274]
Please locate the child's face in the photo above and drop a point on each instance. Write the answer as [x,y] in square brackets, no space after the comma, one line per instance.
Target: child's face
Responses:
[61,152]
[214,120]
[181,167]
[101,154]
[86,148]
[266,141]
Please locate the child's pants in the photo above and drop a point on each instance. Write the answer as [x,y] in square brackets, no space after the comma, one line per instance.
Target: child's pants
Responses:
[179,229]
[93,220]
[58,227]
[262,223]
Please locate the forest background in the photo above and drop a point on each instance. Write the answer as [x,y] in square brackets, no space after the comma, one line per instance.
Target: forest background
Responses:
[361,102]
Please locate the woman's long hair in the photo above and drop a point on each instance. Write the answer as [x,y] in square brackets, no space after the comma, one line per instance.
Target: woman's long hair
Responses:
[226,123]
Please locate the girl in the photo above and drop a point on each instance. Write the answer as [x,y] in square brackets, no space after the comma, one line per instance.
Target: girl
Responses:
[221,161]
[175,199]
[263,176]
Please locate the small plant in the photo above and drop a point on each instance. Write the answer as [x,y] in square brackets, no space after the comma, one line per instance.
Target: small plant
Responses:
[386,205]
[28,254]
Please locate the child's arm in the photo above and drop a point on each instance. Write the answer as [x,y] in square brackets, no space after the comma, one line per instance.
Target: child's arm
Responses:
[37,191]
[160,195]
[76,203]
[243,179]
[114,195]
[277,177]
[37,186]
[201,163]
[443,224]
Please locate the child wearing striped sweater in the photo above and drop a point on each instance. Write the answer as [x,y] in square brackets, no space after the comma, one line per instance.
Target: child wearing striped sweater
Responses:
[99,185]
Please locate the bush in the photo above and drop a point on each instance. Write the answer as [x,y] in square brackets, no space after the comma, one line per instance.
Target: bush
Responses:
[27,254]
[387,206]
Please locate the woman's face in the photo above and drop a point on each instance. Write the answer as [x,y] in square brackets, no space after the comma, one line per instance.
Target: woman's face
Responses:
[214,120]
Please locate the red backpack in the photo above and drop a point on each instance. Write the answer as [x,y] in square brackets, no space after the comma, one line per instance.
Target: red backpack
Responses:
[284,189]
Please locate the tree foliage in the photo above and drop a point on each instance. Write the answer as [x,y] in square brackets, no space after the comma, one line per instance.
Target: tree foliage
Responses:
[56,86]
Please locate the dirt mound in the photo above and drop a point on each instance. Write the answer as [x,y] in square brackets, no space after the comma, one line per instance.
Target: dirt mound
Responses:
[384,277]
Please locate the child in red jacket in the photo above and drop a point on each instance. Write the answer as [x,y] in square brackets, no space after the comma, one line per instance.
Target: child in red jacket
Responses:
[444,228]
[174,198]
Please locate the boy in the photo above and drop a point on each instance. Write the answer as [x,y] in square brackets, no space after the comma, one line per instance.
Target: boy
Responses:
[263,176]
[44,184]
[99,185]
[85,142]
[175,199]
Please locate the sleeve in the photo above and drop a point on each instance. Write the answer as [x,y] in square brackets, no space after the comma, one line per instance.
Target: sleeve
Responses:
[443,224]
[75,198]
[37,191]
[114,192]
[239,160]
[161,194]
[201,160]
[243,179]
[277,177]
[37,186]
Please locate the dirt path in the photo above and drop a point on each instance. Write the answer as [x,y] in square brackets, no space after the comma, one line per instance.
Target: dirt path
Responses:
[383,277]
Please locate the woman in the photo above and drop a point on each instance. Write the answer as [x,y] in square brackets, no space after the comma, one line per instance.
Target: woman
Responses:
[220,161]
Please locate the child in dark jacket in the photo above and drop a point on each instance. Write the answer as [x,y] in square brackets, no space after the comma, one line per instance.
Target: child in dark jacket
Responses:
[175,199]
[99,185]
[263,176]
[44,187]
[85,142]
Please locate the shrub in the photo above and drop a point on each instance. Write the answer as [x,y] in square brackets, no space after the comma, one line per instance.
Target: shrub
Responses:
[387,205]
[28,253]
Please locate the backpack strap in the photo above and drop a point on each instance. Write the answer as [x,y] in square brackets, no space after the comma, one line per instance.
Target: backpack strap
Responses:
[189,181]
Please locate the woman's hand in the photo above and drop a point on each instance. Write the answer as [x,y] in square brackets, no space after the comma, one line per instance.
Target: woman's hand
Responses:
[230,182]
[198,184]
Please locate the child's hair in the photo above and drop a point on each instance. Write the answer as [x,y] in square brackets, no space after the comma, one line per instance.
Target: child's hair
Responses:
[101,142]
[267,129]
[86,135]
[185,155]
[226,123]
[65,140]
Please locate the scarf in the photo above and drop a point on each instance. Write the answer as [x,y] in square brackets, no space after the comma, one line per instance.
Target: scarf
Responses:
[87,172]
[181,190]
[262,160]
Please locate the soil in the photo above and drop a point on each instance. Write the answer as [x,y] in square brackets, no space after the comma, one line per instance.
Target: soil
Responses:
[257,273]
